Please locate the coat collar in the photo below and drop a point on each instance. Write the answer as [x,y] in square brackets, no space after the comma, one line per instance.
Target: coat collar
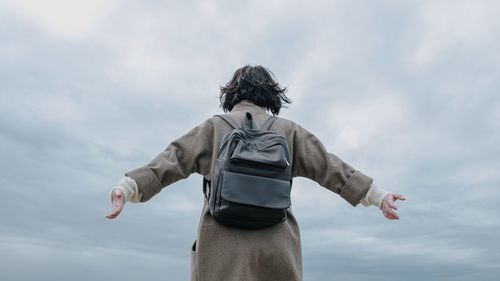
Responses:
[247,105]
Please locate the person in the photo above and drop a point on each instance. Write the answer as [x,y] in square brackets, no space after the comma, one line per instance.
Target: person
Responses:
[226,253]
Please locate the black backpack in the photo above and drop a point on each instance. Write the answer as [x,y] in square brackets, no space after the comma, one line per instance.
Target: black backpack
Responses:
[252,178]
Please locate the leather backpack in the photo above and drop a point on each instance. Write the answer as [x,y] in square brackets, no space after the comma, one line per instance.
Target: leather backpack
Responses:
[251,181]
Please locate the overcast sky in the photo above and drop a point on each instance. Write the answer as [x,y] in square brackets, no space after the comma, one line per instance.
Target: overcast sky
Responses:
[405,91]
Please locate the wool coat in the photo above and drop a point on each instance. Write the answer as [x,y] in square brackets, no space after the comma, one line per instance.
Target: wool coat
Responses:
[222,253]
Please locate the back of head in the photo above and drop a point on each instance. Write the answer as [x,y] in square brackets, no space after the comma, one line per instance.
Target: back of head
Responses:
[255,84]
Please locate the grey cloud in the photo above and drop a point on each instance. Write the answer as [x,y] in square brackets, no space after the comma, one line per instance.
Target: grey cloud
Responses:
[77,113]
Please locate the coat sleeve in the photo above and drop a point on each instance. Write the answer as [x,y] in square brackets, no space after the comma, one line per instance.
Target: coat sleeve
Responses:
[186,155]
[311,160]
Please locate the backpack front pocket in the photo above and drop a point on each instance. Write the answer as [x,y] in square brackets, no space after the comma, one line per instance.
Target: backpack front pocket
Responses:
[256,191]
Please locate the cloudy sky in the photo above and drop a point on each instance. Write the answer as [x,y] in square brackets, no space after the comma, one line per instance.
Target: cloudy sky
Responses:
[405,91]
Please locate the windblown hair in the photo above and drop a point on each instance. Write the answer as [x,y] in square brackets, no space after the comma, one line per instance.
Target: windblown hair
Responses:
[255,84]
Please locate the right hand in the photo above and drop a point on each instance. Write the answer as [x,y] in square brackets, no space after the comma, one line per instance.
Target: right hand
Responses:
[117,200]
[388,206]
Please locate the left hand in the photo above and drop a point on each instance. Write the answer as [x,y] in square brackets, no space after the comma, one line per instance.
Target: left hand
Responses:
[388,206]
[118,200]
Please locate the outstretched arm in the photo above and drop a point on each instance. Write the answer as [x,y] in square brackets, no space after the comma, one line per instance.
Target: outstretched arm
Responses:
[184,156]
[313,161]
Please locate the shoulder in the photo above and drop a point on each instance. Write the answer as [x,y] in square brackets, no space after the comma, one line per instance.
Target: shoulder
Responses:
[286,124]
[204,127]
[214,124]
[289,128]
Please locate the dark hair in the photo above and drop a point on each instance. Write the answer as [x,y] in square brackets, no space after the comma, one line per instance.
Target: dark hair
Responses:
[255,84]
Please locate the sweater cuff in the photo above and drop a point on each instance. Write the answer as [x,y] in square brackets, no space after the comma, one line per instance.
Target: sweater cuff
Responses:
[129,188]
[374,196]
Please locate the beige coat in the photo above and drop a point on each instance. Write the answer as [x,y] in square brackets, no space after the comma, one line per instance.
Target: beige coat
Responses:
[228,254]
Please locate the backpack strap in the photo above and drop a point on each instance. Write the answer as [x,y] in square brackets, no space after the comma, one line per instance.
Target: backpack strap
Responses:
[248,119]
[269,122]
[206,187]
[228,120]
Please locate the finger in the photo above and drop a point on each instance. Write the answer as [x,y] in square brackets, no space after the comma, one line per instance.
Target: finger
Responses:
[117,208]
[399,196]
[391,205]
[390,214]
[387,215]
[113,214]
[117,199]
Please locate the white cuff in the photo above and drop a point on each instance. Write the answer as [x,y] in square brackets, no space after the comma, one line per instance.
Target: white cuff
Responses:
[374,196]
[130,190]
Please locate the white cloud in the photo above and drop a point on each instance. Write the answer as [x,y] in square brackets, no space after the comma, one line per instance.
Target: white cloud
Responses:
[57,109]
[458,25]
[355,124]
[65,19]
